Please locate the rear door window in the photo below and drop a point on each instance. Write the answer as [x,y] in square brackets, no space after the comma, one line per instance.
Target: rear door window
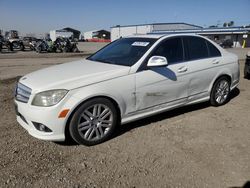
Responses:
[196,48]
[213,51]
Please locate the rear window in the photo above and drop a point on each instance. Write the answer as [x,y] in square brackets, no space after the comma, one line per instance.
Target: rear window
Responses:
[196,48]
[213,51]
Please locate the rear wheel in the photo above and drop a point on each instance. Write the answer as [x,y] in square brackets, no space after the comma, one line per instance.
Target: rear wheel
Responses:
[93,122]
[75,49]
[220,91]
[22,48]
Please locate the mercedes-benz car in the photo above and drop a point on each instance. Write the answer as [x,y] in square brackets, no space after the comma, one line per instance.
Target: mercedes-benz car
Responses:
[129,79]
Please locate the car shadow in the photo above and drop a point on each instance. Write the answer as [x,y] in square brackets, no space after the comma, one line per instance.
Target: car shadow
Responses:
[122,129]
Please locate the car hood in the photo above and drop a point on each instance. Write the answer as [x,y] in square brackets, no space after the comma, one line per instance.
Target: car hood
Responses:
[72,75]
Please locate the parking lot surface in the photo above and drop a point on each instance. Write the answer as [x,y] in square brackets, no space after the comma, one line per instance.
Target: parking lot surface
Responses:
[194,146]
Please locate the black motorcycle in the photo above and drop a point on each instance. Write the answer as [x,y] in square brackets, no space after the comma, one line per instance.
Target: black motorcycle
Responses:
[64,45]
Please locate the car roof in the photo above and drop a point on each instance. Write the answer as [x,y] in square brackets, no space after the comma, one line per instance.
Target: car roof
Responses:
[157,36]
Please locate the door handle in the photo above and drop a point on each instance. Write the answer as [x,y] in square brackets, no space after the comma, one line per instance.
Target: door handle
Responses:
[182,69]
[215,61]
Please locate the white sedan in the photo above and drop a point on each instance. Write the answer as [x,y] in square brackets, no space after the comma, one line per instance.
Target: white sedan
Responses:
[129,79]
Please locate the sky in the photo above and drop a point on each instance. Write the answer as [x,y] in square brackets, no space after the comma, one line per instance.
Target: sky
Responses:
[40,16]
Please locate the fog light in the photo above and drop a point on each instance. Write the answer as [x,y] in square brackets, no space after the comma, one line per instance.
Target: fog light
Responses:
[41,127]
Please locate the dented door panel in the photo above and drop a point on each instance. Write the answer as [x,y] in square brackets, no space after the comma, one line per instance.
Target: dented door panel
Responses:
[161,85]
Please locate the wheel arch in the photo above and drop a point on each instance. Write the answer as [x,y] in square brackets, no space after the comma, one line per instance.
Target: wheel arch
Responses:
[224,74]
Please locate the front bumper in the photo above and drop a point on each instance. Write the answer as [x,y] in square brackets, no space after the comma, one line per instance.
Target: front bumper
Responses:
[26,116]
[38,134]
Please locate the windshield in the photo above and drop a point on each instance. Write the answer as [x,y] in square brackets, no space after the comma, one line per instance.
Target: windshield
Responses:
[125,51]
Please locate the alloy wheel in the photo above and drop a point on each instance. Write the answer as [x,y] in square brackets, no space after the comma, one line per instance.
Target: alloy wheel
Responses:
[95,122]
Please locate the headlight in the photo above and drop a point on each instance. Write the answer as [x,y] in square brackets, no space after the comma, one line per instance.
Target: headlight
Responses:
[49,98]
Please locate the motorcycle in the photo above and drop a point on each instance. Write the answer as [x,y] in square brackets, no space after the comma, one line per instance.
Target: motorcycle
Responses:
[41,46]
[45,46]
[70,47]
[64,45]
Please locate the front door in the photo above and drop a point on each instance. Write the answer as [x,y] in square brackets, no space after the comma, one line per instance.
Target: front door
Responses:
[163,85]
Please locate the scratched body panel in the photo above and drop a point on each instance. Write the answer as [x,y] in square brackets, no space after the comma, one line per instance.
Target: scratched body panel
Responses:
[160,85]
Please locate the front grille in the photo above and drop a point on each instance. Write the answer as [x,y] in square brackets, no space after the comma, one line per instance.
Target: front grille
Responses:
[22,93]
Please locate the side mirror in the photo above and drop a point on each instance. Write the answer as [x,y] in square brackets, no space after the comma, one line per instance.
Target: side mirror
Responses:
[156,61]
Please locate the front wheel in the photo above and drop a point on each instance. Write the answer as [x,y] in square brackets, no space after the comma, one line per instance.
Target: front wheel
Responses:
[39,49]
[220,92]
[93,122]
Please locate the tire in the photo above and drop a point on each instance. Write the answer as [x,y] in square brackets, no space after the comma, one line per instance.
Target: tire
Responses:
[220,92]
[246,74]
[65,49]
[10,47]
[75,50]
[38,49]
[22,47]
[93,122]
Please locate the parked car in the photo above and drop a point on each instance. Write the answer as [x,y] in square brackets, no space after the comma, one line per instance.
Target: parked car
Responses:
[247,66]
[129,79]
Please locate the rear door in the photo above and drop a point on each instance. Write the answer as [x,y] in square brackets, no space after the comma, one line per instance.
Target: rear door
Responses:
[203,60]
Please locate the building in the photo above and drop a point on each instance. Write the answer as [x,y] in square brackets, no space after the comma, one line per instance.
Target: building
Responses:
[97,36]
[76,33]
[60,33]
[240,36]
[66,32]
[123,31]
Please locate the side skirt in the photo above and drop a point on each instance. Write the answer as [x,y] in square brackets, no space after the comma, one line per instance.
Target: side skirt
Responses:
[159,109]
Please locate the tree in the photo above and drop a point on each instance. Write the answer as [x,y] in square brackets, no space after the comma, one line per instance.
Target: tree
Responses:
[228,24]
[231,23]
